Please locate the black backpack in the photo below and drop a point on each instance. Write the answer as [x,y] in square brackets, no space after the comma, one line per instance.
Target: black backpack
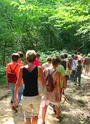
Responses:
[49,82]
[11,76]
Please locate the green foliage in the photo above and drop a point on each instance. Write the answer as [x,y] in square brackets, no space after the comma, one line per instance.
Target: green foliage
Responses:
[2,75]
[43,25]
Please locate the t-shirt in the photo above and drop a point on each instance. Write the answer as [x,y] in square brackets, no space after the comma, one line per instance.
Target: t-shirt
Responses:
[79,68]
[61,69]
[13,65]
[37,62]
[45,65]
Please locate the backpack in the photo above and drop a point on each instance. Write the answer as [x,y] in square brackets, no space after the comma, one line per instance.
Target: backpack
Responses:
[49,81]
[11,76]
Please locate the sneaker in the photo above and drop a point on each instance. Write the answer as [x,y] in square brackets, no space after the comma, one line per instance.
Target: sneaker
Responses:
[11,102]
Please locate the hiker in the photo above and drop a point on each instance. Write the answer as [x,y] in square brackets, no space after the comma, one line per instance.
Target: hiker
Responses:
[73,67]
[79,55]
[13,66]
[22,86]
[48,63]
[78,73]
[20,59]
[37,61]
[61,69]
[65,62]
[86,63]
[54,96]
[31,98]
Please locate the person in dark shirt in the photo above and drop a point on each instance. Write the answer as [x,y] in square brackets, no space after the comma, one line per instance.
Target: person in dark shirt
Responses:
[31,98]
[78,73]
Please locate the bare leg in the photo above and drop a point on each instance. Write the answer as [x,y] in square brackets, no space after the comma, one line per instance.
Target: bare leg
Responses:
[44,110]
[27,121]
[35,120]
[57,112]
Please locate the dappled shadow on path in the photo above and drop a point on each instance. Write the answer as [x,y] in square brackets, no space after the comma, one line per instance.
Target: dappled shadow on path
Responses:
[74,110]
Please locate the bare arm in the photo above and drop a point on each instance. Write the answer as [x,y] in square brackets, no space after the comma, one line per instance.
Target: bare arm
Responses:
[41,76]
[69,66]
[58,85]
[18,83]
[64,79]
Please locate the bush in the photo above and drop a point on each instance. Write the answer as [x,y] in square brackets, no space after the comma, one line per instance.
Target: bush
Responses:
[2,75]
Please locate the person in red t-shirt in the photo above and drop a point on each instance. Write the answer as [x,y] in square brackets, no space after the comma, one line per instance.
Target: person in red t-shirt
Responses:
[15,62]
[37,62]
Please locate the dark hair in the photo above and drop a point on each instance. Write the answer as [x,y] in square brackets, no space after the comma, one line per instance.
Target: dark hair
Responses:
[20,53]
[55,60]
[75,57]
[65,55]
[75,52]
[78,53]
[72,55]
[15,57]
[37,55]
[49,59]
[79,61]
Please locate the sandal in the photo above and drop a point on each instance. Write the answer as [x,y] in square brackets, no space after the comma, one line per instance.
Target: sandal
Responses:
[60,117]
[14,108]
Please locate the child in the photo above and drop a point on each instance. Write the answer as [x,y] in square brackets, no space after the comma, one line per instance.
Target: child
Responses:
[78,73]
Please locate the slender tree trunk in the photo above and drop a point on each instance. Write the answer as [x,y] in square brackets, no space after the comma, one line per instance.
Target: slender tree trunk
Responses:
[4,53]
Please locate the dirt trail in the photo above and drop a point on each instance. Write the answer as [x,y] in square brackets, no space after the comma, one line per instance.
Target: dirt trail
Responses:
[75,110]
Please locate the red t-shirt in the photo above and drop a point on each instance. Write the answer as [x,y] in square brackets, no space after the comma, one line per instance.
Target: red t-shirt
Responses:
[37,62]
[13,65]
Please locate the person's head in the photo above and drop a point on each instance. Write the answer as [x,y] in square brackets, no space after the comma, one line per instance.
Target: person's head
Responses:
[20,53]
[88,54]
[72,55]
[78,53]
[75,52]
[49,59]
[75,57]
[15,57]
[30,56]
[79,61]
[37,55]
[65,55]
[55,61]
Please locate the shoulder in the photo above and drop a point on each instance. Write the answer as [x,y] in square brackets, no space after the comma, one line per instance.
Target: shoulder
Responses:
[39,67]
[9,64]
[44,64]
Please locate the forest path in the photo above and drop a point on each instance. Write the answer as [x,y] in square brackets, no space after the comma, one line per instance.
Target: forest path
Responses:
[75,110]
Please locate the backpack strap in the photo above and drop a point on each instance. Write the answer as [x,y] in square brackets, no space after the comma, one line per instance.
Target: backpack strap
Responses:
[14,68]
[53,71]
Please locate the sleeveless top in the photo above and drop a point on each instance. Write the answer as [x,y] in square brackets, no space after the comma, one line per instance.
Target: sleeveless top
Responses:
[30,80]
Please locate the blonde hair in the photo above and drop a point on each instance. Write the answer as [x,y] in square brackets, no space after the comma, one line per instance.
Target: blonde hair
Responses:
[31,55]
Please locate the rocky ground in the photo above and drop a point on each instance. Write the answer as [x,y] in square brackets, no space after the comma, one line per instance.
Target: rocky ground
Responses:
[75,109]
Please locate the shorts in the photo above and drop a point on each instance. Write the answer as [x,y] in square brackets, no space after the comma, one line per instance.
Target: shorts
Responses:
[31,106]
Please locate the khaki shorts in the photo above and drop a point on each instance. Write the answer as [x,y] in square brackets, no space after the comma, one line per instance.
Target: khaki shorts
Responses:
[31,106]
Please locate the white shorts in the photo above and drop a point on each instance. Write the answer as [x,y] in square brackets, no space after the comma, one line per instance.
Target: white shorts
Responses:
[31,106]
